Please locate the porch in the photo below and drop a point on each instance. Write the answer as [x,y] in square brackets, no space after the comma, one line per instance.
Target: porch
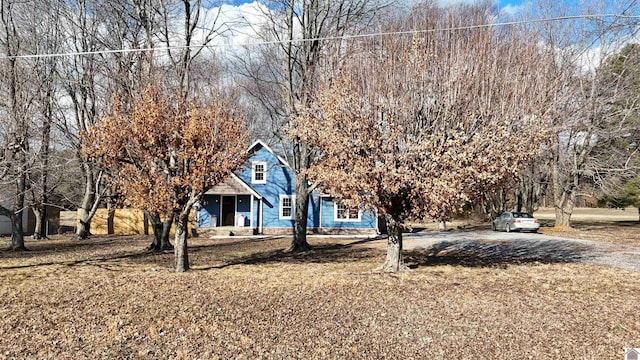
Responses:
[230,207]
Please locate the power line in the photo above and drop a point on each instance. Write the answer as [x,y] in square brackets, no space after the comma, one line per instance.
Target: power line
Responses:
[343,37]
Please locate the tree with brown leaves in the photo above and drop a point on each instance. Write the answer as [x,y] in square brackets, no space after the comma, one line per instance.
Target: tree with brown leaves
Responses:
[166,154]
[451,116]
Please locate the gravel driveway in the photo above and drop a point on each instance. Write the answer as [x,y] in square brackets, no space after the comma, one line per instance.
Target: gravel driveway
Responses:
[483,247]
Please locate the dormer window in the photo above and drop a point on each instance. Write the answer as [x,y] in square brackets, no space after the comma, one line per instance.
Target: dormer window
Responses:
[259,172]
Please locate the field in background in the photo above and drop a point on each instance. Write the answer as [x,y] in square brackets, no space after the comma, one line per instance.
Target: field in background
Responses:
[592,214]
[547,215]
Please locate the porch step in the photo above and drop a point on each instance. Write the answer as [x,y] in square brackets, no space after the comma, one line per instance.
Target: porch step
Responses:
[226,231]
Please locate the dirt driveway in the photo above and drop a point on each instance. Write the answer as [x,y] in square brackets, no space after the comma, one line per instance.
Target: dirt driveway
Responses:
[487,246]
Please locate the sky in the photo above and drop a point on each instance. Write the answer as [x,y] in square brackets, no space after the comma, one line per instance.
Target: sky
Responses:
[511,6]
[507,5]
[241,13]
[246,17]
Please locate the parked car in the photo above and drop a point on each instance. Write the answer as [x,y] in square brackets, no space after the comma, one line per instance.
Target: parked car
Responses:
[515,221]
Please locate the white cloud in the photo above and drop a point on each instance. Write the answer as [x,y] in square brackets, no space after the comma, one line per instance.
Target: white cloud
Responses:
[242,23]
[447,3]
[588,59]
[514,10]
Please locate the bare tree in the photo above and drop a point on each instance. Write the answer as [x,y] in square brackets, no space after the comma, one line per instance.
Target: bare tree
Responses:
[285,77]
[46,39]
[80,80]
[582,121]
[16,157]
[133,24]
[200,27]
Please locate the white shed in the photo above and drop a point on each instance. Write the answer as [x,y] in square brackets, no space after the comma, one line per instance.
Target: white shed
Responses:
[5,222]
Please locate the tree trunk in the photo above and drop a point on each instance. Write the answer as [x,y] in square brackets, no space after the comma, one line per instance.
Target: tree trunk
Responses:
[156,245]
[299,242]
[564,209]
[84,224]
[531,201]
[111,214]
[394,261]
[165,244]
[84,216]
[39,232]
[563,198]
[530,190]
[181,255]
[161,232]
[43,220]
[17,228]
[40,210]
[442,226]
[19,139]
[17,234]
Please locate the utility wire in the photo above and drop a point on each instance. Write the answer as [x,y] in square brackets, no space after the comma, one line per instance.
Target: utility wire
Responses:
[343,37]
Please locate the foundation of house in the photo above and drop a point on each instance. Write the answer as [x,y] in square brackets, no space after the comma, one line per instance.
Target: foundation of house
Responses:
[226,231]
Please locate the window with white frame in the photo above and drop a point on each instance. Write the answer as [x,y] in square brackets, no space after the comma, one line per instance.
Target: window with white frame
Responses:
[286,206]
[259,172]
[342,212]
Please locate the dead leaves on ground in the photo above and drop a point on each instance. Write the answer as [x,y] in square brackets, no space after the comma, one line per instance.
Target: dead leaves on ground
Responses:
[323,306]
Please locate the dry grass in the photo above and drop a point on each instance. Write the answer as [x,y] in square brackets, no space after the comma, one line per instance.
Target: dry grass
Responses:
[592,214]
[619,233]
[104,298]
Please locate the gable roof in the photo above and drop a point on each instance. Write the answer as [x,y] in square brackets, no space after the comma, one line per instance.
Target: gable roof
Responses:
[233,185]
[261,143]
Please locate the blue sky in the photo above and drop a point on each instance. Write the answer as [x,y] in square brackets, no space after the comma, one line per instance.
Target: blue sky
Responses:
[510,2]
[510,6]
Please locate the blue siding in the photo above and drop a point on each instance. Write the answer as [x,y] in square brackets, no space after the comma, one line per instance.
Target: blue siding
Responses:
[211,205]
[279,182]
[313,218]
[256,213]
[367,220]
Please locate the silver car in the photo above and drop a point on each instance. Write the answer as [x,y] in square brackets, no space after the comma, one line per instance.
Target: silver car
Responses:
[515,221]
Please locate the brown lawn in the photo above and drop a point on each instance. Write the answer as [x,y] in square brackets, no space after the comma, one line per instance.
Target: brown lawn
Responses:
[592,214]
[104,298]
[612,226]
[619,233]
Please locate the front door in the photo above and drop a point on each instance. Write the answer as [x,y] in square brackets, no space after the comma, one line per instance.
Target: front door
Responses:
[228,210]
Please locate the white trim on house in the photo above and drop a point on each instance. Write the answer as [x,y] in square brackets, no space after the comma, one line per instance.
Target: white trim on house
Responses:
[260,214]
[259,142]
[280,207]
[320,222]
[249,189]
[251,212]
[221,221]
[264,172]
[348,218]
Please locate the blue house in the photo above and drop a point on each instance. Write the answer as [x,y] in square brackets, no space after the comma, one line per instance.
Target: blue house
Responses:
[260,199]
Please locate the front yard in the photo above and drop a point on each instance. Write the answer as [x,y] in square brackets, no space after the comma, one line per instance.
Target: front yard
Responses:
[245,298]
